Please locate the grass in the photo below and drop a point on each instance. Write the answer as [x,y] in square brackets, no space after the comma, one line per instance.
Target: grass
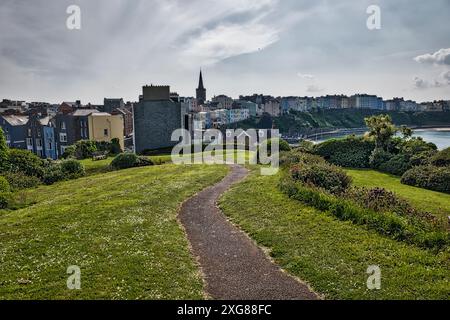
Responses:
[332,255]
[102,166]
[431,201]
[120,228]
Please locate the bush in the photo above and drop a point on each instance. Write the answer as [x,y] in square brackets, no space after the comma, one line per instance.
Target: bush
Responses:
[52,174]
[69,152]
[4,163]
[321,175]
[288,158]
[378,157]
[385,223]
[26,162]
[442,158]
[129,160]
[428,177]
[351,151]
[396,165]
[114,146]
[72,169]
[305,146]
[19,180]
[4,185]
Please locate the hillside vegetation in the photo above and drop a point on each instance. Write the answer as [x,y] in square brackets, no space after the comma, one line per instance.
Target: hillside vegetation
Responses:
[120,228]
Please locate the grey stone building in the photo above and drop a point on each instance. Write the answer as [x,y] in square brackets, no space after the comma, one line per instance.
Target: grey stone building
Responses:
[156,116]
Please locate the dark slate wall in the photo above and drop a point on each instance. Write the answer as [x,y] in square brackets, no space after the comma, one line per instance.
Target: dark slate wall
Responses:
[154,123]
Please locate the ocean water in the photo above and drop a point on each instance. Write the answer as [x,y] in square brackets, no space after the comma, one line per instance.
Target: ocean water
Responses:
[440,137]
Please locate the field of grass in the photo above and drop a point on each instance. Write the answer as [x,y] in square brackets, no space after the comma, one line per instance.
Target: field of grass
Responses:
[332,255]
[120,228]
[431,201]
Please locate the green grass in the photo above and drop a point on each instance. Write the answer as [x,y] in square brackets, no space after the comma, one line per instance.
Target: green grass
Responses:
[120,228]
[332,255]
[431,201]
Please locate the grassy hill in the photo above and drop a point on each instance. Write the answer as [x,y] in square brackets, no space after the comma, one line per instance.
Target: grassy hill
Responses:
[120,228]
[430,201]
[332,255]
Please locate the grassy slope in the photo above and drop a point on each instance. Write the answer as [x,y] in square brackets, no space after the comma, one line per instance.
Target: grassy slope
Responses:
[119,227]
[427,200]
[332,255]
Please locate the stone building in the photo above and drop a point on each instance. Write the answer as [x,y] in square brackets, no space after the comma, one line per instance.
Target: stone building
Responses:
[156,116]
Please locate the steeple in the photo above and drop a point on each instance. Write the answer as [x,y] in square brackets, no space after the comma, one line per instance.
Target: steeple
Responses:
[200,81]
[201,91]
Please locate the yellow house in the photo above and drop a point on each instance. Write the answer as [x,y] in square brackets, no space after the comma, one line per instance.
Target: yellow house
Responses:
[105,127]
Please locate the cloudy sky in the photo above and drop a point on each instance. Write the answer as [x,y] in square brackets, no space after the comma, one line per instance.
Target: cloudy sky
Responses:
[278,47]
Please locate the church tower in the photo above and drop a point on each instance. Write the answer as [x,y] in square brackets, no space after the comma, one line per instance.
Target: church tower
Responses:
[201,91]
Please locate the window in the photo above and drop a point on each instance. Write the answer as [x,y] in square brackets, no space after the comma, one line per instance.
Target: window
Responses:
[105,132]
[29,132]
[29,142]
[63,137]
[38,142]
[49,146]
[63,125]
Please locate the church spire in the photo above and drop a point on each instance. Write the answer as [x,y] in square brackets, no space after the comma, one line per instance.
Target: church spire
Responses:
[201,91]
[200,81]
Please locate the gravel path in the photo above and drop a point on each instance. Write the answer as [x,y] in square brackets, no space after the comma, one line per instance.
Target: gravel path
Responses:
[233,266]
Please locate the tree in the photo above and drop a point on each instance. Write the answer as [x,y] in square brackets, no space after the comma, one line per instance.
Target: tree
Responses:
[4,163]
[382,129]
[406,132]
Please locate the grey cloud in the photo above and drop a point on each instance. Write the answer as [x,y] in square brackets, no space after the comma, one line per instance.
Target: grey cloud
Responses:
[441,57]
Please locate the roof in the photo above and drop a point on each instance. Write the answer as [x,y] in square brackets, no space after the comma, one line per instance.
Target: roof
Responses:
[16,120]
[44,121]
[84,112]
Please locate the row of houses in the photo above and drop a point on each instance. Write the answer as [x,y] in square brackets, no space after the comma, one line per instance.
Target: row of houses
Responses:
[49,136]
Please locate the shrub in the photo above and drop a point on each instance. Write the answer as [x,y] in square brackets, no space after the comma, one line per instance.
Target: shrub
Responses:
[378,157]
[321,175]
[396,165]
[4,199]
[52,174]
[26,162]
[385,223]
[4,185]
[84,149]
[288,158]
[114,146]
[4,164]
[305,146]
[69,152]
[351,151]
[129,160]
[19,180]
[72,169]
[442,158]
[428,177]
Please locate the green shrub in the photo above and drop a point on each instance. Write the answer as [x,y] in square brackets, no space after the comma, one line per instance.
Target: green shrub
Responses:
[69,152]
[305,146]
[351,151]
[288,158]
[321,175]
[19,180]
[53,173]
[114,146]
[385,223]
[72,169]
[378,157]
[397,165]
[129,160]
[4,185]
[26,162]
[442,158]
[428,177]
[4,199]
[4,163]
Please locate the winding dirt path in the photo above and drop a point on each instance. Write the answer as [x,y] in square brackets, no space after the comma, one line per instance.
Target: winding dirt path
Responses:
[233,266]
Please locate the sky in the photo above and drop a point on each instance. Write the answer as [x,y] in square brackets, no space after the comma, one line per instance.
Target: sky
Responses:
[277,47]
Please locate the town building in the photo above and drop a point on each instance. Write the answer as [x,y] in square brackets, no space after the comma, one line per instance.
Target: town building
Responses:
[224,101]
[156,116]
[103,127]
